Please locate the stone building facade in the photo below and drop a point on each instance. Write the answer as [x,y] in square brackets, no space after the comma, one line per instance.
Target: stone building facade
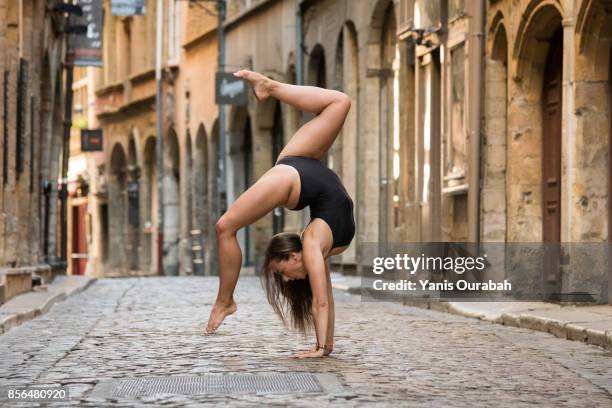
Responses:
[32,92]
[471,121]
[514,117]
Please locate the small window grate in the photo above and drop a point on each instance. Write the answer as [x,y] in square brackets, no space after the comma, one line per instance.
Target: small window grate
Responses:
[215,384]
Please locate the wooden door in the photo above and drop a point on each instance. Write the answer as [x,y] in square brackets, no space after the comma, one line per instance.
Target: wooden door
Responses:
[79,239]
[551,162]
[609,251]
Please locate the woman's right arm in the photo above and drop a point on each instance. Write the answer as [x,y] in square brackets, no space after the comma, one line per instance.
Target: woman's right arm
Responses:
[312,258]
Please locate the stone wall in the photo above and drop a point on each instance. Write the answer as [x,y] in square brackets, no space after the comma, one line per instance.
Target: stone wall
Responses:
[29,35]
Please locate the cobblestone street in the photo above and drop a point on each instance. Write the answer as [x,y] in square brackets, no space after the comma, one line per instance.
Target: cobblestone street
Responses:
[385,354]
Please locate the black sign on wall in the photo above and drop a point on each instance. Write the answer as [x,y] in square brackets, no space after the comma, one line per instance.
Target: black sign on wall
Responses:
[91,140]
[230,90]
[88,48]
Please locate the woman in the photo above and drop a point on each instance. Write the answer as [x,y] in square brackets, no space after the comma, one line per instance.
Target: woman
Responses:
[295,272]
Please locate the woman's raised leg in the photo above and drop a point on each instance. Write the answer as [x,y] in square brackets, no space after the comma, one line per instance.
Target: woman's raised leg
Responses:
[316,136]
[270,191]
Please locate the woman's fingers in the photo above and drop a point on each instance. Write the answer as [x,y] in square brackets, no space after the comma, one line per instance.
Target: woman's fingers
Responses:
[309,354]
[297,355]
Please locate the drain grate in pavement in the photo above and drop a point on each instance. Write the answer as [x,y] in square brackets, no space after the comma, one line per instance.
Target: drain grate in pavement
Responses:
[217,384]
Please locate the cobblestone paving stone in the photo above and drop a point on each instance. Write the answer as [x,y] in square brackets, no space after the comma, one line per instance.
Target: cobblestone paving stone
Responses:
[385,353]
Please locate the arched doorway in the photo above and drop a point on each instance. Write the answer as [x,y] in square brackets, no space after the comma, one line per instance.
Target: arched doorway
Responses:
[171,202]
[551,160]
[201,203]
[278,215]
[316,75]
[247,159]
[186,253]
[533,203]
[240,172]
[149,207]
[117,205]
[133,207]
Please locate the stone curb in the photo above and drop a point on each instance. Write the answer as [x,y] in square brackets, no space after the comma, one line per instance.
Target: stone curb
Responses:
[563,329]
[10,320]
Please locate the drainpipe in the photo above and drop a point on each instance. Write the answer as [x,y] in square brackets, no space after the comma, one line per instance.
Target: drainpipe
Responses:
[476,67]
[65,154]
[299,62]
[299,42]
[159,151]
[223,182]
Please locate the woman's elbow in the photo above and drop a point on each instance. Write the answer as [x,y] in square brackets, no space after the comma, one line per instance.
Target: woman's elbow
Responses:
[320,304]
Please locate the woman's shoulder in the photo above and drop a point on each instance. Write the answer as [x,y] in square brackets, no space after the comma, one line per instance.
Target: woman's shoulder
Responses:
[317,234]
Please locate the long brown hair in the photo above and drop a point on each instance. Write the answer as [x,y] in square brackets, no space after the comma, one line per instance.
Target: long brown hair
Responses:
[291,299]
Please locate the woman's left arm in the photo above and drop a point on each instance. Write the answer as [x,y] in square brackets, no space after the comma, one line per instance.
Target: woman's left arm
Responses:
[312,257]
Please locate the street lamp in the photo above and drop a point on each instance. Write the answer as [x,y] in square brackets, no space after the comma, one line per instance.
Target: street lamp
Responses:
[426,20]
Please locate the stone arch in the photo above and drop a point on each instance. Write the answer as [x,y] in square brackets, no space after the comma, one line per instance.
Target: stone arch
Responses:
[149,205]
[594,31]
[138,150]
[277,142]
[377,21]
[187,209]
[290,114]
[171,203]
[117,260]
[316,73]
[240,169]
[542,19]
[201,201]
[133,205]
[493,193]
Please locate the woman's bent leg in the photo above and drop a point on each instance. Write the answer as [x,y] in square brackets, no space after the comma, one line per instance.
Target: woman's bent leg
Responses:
[316,136]
[270,191]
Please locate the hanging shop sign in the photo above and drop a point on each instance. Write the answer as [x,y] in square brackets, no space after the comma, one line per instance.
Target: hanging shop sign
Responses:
[128,7]
[87,47]
[230,90]
[91,140]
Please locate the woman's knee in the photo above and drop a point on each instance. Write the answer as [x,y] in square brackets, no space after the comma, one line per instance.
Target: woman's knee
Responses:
[344,99]
[225,227]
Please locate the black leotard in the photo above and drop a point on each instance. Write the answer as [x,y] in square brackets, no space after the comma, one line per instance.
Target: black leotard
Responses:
[322,190]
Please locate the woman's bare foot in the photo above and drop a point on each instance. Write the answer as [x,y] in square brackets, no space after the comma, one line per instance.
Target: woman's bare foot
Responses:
[261,84]
[218,313]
